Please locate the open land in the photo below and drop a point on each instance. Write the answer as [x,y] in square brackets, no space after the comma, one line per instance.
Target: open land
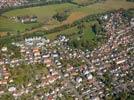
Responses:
[45,13]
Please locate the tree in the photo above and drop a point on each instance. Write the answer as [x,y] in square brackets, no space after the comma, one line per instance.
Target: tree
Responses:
[7,96]
[61,16]
[96,28]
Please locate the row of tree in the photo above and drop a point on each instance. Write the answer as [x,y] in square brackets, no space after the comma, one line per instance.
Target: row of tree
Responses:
[131,0]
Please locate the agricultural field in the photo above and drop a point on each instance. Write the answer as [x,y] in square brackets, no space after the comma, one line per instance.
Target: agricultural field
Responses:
[106,6]
[45,13]
[42,12]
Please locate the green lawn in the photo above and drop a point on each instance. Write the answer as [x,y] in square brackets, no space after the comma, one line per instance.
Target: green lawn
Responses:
[25,73]
[10,26]
[72,30]
[87,32]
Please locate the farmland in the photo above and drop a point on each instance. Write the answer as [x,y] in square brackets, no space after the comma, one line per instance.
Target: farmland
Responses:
[42,12]
[45,13]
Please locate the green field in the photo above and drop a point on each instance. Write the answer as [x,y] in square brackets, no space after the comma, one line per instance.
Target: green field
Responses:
[88,34]
[45,14]
[67,31]
[10,26]
[25,73]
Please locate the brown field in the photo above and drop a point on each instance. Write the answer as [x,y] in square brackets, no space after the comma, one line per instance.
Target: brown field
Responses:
[78,13]
[3,33]
[74,16]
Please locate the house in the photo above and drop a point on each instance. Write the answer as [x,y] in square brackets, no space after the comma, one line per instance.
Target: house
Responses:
[78,79]
[48,62]
[55,55]
[4,75]
[46,55]
[89,76]
[26,19]
[4,49]
[120,61]
[132,22]
[1,62]
[70,68]
[12,89]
